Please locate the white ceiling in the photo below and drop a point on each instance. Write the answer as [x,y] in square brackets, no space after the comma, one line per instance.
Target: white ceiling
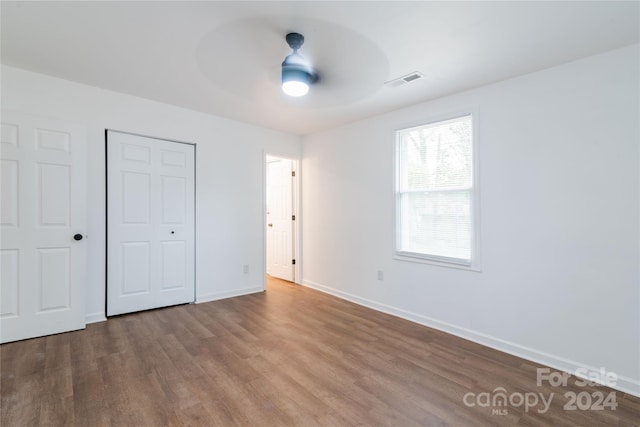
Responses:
[224,58]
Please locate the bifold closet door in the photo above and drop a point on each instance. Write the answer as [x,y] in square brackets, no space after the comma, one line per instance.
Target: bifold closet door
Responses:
[150,223]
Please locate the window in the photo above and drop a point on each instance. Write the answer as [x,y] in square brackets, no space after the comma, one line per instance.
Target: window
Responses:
[435,192]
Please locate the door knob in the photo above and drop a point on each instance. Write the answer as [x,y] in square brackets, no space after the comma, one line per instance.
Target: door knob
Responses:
[77,236]
[270,225]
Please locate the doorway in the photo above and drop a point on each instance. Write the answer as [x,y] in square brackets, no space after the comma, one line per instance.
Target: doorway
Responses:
[281,203]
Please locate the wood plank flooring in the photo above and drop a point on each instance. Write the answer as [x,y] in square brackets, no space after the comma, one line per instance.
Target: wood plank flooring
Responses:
[290,356]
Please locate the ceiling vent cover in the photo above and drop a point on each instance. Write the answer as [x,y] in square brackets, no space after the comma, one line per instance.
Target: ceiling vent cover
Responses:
[411,77]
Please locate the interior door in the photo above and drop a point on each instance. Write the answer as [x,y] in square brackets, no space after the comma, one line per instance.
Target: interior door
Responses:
[150,223]
[43,206]
[279,218]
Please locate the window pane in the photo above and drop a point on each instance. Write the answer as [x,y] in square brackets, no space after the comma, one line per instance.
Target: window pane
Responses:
[436,156]
[436,224]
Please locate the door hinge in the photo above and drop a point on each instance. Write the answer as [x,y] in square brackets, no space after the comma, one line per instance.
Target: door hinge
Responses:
[293,262]
[293,217]
[293,173]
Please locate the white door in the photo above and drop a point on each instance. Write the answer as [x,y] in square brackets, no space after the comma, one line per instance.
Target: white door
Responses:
[43,205]
[150,223]
[279,218]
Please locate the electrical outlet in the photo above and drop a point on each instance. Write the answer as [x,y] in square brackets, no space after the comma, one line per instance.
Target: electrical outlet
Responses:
[380,275]
[245,269]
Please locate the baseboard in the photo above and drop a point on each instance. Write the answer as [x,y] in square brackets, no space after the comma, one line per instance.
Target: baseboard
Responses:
[227,294]
[95,317]
[100,316]
[623,384]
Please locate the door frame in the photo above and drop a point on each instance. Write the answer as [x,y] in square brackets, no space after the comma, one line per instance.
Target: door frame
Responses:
[106,210]
[296,207]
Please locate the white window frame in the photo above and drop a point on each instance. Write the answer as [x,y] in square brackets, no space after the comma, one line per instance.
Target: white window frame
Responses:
[474,264]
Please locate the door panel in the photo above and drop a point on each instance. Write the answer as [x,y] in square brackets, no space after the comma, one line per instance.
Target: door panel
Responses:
[53,195]
[135,268]
[9,282]
[136,197]
[9,207]
[150,222]
[43,206]
[54,279]
[173,265]
[174,198]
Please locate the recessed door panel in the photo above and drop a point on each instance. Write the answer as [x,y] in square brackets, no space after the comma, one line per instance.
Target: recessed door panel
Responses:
[9,265]
[53,140]
[135,268]
[173,158]
[54,195]
[173,265]
[9,134]
[136,197]
[136,153]
[174,199]
[9,198]
[54,279]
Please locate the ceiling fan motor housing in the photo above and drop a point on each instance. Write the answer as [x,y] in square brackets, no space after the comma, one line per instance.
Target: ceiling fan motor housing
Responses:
[295,40]
[294,67]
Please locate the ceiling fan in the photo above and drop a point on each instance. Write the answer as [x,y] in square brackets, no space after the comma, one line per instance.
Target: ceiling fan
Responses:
[297,74]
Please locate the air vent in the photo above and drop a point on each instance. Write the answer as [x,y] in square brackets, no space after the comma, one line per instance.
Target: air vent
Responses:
[411,77]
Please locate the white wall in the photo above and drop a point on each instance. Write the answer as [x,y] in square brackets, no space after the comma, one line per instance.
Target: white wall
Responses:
[559,183]
[229,176]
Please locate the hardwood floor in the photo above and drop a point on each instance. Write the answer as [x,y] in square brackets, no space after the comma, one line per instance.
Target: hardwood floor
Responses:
[290,356]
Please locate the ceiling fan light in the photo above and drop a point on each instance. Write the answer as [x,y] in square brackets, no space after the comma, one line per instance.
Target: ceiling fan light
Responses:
[295,80]
[295,88]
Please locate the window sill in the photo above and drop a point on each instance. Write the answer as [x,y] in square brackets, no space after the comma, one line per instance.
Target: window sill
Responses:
[420,260]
